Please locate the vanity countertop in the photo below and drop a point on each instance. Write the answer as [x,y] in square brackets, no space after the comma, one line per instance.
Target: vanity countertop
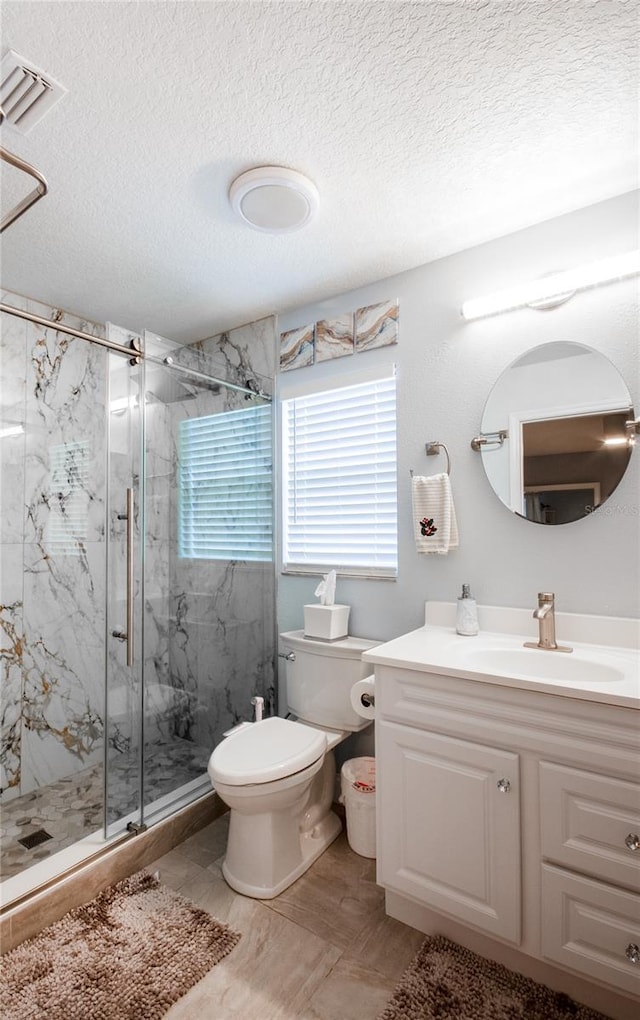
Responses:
[603,672]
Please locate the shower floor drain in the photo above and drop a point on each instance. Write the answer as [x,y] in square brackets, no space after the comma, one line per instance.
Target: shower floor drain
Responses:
[35,839]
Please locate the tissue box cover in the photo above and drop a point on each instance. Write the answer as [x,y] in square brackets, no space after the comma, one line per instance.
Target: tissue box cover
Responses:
[328,623]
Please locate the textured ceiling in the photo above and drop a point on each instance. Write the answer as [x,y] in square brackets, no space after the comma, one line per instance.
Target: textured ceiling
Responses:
[428,127]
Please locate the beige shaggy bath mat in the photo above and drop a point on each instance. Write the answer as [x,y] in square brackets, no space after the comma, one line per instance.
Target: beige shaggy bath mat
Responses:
[128,955]
[447,982]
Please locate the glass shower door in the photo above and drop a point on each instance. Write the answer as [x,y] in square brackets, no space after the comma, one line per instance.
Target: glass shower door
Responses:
[54,447]
[125,489]
[209,599]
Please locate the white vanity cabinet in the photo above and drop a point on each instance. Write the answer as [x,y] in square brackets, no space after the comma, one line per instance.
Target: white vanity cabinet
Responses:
[515,814]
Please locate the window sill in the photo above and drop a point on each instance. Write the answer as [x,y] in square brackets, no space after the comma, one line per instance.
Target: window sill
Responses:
[363,574]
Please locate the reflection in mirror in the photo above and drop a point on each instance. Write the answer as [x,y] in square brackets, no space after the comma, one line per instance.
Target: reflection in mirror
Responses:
[564,408]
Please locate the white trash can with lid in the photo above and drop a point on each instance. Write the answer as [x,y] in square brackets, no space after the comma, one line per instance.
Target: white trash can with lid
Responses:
[358,794]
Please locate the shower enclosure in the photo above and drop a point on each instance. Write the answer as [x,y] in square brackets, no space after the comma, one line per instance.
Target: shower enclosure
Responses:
[137,586]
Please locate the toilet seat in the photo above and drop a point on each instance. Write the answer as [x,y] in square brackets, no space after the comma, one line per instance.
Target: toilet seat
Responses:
[266,751]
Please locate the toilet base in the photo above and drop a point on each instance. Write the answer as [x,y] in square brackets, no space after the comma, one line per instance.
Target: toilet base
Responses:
[312,845]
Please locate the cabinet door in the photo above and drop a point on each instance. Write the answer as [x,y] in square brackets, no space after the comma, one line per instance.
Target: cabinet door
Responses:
[449,826]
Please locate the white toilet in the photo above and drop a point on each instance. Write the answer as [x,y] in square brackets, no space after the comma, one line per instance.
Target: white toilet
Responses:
[278,775]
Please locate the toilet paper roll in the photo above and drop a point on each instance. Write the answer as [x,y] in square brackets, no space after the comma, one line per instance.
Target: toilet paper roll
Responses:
[363,696]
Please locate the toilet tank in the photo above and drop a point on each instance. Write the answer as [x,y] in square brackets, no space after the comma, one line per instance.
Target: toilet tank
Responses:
[320,678]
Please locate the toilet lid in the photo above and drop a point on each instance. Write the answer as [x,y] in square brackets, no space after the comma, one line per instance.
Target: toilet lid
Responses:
[266,751]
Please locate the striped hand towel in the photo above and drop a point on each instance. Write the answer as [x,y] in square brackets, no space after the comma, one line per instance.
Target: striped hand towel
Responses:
[435,527]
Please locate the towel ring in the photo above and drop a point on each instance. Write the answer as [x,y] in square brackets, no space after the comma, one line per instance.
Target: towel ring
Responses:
[431,450]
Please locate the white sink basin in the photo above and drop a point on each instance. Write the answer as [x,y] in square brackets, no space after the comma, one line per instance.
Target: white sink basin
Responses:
[607,671]
[573,667]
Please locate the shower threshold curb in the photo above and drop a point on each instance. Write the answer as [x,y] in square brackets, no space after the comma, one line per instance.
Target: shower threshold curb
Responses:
[26,918]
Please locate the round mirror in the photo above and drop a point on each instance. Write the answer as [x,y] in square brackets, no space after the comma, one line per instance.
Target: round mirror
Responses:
[554,438]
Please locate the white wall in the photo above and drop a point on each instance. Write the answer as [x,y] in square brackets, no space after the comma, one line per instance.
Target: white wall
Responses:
[446,368]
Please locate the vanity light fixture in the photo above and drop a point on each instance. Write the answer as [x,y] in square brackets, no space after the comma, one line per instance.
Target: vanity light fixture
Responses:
[274,199]
[552,290]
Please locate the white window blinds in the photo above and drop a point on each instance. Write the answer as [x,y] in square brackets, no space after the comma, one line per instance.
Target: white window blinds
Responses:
[339,468]
[225,486]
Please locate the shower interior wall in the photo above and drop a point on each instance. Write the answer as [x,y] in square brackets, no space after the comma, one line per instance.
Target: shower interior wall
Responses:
[53,598]
[207,626]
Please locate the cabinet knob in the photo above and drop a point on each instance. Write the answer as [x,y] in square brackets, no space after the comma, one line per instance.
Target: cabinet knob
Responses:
[503,785]
[632,952]
[633,841]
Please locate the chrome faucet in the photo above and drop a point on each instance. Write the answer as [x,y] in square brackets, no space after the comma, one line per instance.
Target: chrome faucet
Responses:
[545,614]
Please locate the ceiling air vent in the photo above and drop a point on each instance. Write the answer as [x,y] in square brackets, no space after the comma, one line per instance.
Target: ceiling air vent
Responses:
[26,92]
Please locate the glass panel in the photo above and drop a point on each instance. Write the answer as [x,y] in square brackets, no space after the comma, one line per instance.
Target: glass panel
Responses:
[208,629]
[124,678]
[53,449]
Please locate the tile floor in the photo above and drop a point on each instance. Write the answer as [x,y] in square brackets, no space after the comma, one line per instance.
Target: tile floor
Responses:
[322,950]
[72,808]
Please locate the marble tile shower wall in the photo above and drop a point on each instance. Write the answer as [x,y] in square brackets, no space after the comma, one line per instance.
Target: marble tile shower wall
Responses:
[249,355]
[52,399]
[222,613]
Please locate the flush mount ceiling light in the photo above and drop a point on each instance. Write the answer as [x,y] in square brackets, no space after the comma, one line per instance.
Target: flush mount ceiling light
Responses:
[556,288]
[274,199]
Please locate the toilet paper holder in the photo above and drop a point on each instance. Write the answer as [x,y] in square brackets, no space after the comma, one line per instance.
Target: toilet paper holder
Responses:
[363,697]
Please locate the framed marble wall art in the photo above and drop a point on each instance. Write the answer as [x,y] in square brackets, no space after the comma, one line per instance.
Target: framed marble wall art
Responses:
[376,326]
[297,347]
[334,337]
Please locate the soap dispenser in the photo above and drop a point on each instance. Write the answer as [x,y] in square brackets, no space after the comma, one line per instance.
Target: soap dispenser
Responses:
[467,613]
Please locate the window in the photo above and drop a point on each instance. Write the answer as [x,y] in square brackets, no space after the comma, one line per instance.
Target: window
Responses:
[339,479]
[225,486]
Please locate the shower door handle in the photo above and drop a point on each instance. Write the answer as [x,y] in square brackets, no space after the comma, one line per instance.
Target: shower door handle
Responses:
[127,635]
[129,577]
